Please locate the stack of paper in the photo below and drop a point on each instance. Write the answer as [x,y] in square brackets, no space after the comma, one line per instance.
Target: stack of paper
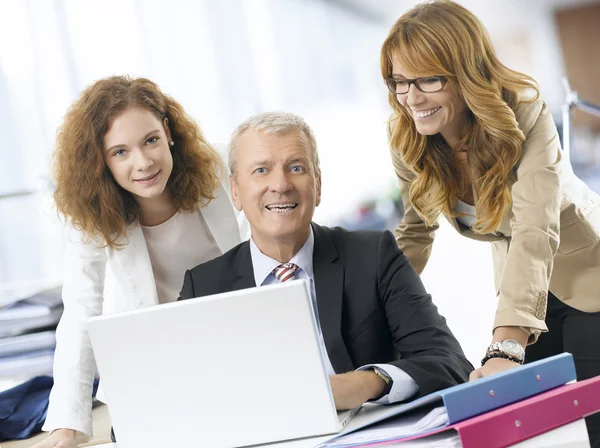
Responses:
[442,440]
[16,345]
[32,313]
[415,422]
[27,334]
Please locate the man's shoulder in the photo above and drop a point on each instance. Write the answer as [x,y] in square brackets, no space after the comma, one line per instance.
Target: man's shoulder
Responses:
[350,239]
[224,261]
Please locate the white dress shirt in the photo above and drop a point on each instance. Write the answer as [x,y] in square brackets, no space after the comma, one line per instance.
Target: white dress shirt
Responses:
[403,387]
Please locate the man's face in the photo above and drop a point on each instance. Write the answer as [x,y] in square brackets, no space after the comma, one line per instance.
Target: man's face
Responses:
[276,187]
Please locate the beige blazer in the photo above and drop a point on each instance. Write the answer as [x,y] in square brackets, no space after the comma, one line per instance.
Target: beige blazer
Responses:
[548,241]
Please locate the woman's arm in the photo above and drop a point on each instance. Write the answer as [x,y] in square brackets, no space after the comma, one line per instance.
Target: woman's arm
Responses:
[536,200]
[535,227]
[74,364]
[413,236]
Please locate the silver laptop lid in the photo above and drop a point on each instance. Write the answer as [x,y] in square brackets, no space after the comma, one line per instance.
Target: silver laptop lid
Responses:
[231,369]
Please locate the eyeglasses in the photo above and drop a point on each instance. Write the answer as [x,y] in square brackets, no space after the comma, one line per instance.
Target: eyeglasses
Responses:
[429,84]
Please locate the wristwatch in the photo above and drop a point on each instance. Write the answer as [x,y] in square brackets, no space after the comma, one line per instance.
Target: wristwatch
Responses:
[509,347]
[386,378]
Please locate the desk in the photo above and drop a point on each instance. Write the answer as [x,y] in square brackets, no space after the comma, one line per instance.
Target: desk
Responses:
[101,427]
[573,435]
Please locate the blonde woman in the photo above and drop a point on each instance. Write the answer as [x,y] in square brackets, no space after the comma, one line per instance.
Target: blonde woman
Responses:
[472,140]
[140,187]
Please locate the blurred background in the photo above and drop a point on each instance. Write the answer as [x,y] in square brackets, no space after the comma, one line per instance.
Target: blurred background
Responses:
[225,60]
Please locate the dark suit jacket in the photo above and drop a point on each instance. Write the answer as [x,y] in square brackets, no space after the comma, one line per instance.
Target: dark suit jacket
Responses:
[371,304]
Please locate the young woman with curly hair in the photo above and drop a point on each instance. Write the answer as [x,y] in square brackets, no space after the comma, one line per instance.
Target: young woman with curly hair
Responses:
[471,140]
[140,189]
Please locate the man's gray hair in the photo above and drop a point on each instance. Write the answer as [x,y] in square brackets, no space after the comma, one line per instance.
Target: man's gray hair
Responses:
[279,123]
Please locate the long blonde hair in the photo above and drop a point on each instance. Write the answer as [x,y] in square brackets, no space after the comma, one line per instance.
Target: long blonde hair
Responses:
[443,38]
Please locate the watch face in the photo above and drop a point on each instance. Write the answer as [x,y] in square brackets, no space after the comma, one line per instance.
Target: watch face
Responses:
[512,347]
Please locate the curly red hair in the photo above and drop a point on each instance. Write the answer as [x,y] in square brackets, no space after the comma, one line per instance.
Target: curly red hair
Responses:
[86,192]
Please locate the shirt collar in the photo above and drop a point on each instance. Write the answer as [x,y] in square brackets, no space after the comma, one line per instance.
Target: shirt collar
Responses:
[263,265]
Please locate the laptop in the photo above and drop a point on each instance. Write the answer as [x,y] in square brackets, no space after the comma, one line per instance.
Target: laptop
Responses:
[232,369]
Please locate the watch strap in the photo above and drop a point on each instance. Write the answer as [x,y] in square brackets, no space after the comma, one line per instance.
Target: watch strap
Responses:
[386,378]
[503,355]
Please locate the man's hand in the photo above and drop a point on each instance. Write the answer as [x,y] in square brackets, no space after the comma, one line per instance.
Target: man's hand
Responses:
[492,366]
[352,389]
[61,438]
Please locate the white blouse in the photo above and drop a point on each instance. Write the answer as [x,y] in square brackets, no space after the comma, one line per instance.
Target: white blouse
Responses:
[469,217]
[169,247]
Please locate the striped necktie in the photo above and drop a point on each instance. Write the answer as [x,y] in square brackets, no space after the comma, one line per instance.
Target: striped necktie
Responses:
[285,271]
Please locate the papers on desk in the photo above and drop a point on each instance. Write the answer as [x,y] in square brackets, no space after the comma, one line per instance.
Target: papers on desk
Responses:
[27,364]
[41,310]
[27,334]
[416,422]
[21,326]
[37,305]
[448,439]
[44,340]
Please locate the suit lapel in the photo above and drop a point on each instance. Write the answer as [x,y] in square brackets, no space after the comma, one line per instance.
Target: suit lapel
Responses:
[134,261]
[244,269]
[329,288]
[221,220]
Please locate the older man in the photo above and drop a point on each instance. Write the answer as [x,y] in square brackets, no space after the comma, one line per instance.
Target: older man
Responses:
[383,336]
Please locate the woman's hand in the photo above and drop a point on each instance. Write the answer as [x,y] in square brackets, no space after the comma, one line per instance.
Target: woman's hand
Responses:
[492,366]
[60,438]
[495,365]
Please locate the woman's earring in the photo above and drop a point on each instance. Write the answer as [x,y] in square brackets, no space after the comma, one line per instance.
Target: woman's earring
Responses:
[171,143]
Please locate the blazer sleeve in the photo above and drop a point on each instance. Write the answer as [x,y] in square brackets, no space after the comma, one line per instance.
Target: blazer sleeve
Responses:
[74,364]
[413,236]
[428,350]
[536,198]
